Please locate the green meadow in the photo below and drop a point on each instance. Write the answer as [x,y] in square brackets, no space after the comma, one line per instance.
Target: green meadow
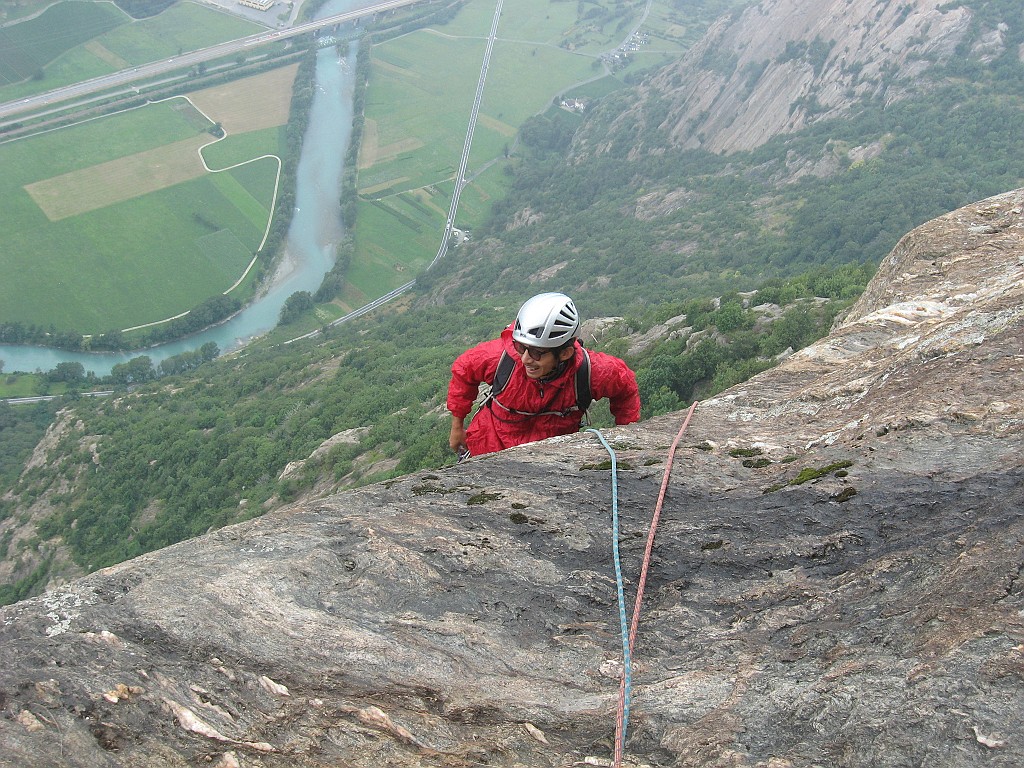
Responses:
[28,46]
[418,102]
[539,21]
[240,148]
[74,41]
[136,260]
[12,10]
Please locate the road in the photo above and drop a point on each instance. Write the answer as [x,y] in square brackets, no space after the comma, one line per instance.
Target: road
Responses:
[45,398]
[186,60]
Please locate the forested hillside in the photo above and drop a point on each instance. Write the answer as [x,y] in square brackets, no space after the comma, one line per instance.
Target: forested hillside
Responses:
[655,236]
[842,191]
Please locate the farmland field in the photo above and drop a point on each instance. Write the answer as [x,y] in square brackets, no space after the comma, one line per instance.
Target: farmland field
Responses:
[417,108]
[13,10]
[115,222]
[421,90]
[73,41]
[88,189]
[27,47]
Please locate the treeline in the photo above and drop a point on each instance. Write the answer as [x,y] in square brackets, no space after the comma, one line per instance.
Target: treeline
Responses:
[74,379]
[210,312]
[735,337]
[303,91]
[350,173]
[302,302]
[413,18]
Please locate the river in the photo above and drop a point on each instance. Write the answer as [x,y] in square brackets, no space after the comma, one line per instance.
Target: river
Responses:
[314,232]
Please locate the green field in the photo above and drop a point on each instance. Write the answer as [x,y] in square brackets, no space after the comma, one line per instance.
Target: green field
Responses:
[238,148]
[418,103]
[13,10]
[75,41]
[27,47]
[134,261]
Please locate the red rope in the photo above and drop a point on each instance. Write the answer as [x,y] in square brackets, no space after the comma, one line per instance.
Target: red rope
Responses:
[643,580]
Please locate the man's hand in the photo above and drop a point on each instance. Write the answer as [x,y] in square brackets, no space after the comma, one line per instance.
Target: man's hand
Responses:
[457,438]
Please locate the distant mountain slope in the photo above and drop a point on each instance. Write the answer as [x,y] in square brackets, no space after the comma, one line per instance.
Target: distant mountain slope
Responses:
[796,133]
[784,64]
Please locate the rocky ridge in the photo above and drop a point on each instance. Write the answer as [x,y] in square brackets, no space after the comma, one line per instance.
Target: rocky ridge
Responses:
[783,64]
[836,579]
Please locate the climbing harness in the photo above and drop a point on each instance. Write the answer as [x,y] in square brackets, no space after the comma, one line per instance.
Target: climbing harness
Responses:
[629,636]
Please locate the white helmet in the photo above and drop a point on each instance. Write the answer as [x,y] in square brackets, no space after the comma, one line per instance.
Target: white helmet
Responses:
[547,320]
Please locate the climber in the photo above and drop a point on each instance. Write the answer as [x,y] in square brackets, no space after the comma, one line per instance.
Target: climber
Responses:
[542,381]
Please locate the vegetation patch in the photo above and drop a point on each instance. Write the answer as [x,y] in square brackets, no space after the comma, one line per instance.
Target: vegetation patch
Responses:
[736,452]
[810,473]
[420,490]
[27,47]
[483,497]
[845,495]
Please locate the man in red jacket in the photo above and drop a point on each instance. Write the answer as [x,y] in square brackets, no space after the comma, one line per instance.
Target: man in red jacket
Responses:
[539,399]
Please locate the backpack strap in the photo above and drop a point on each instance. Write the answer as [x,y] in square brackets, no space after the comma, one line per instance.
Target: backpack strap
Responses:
[501,377]
[584,397]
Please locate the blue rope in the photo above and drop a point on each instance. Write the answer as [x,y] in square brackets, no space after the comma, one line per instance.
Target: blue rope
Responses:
[626,661]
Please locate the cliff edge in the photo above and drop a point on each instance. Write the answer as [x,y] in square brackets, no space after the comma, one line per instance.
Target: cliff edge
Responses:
[836,579]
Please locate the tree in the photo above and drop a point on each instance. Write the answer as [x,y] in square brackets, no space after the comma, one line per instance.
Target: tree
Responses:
[72,373]
[295,305]
[135,371]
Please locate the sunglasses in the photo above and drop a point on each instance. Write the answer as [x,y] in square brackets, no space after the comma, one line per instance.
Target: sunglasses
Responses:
[535,353]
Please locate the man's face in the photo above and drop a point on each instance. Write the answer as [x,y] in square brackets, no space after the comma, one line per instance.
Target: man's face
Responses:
[541,363]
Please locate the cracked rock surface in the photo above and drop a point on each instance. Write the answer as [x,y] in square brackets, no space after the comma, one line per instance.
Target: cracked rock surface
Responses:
[836,579]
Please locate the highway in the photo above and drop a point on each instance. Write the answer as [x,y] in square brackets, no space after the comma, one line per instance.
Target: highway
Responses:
[467,145]
[47,398]
[186,60]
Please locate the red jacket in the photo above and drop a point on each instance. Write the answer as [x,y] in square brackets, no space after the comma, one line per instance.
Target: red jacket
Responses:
[494,428]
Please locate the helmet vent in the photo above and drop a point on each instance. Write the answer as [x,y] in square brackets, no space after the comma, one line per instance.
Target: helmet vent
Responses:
[547,320]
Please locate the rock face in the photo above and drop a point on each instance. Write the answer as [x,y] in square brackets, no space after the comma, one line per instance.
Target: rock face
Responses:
[836,579]
[784,64]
